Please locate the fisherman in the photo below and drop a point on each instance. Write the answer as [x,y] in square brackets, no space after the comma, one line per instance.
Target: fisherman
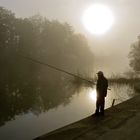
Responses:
[101,89]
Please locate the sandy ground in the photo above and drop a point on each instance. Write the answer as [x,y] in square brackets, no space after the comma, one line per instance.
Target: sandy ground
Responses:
[121,122]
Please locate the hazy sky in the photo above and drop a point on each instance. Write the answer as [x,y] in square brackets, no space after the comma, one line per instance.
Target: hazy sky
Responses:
[111,48]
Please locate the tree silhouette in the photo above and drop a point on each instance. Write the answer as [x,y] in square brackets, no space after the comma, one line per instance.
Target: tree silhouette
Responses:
[27,86]
[134,55]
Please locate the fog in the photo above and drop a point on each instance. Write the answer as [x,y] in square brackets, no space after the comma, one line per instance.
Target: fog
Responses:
[48,62]
[111,49]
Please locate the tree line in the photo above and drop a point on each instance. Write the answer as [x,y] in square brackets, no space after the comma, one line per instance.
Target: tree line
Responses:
[27,86]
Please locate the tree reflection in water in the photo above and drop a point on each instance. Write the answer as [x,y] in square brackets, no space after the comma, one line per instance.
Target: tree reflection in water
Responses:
[36,93]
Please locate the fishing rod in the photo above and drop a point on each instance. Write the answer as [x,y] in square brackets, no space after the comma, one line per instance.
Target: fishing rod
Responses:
[56,68]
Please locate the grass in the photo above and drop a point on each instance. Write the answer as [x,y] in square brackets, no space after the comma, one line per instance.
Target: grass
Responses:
[78,83]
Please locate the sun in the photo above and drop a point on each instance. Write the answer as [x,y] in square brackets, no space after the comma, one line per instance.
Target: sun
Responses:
[98,19]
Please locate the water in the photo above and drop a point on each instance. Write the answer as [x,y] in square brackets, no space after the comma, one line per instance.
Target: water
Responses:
[20,122]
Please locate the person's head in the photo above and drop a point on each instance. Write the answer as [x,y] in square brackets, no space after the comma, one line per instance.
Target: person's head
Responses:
[100,74]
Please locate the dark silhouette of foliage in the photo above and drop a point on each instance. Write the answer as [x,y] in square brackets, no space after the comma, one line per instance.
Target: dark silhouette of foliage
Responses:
[27,86]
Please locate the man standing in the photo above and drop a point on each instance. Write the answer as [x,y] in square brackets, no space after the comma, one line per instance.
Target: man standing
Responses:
[101,89]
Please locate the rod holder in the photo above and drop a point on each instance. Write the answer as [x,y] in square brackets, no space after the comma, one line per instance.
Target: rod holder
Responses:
[113,102]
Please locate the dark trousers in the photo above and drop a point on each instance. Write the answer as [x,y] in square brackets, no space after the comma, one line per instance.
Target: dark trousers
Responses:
[100,103]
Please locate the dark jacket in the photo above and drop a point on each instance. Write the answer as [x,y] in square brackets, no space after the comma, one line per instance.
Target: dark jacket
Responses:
[101,87]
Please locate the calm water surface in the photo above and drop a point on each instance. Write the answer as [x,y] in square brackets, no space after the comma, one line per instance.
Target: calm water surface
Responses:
[33,123]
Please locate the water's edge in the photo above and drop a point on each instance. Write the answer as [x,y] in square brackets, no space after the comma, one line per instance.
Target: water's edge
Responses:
[114,118]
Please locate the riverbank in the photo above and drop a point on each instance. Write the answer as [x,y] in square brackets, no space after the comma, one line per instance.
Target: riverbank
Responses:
[120,122]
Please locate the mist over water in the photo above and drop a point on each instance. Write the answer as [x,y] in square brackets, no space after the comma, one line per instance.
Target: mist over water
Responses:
[36,99]
[42,112]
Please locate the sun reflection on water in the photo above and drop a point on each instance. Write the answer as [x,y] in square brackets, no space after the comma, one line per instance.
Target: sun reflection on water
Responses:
[92,95]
